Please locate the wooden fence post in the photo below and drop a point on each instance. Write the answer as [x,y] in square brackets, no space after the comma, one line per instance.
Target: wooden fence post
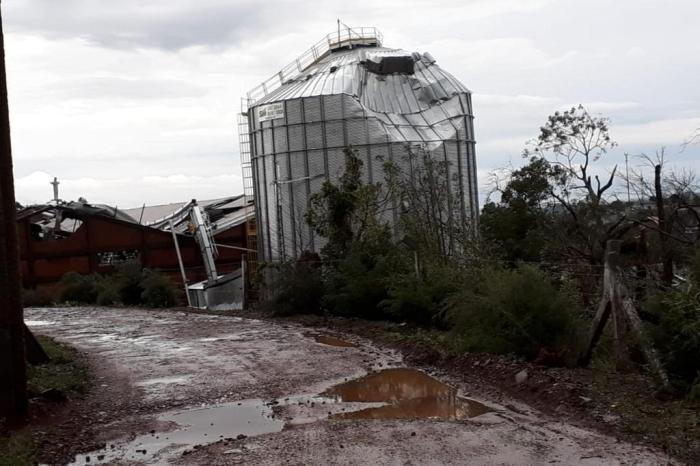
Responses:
[617,302]
[605,308]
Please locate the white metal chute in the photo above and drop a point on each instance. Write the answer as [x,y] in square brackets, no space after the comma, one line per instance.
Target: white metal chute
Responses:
[203,236]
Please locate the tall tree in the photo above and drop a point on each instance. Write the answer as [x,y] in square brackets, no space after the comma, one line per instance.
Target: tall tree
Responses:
[569,144]
[13,382]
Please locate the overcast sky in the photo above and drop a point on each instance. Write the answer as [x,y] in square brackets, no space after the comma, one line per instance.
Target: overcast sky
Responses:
[135,101]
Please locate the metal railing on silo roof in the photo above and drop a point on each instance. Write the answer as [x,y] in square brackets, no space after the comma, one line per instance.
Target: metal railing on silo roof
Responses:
[342,38]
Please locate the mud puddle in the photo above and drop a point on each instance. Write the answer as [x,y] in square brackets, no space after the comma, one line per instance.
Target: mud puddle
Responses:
[408,394]
[194,427]
[388,394]
[333,341]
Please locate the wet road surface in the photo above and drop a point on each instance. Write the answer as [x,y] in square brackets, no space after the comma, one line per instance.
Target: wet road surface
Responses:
[205,389]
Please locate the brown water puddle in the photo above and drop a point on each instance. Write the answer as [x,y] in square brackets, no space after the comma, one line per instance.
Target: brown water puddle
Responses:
[333,341]
[400,394]
[409,393]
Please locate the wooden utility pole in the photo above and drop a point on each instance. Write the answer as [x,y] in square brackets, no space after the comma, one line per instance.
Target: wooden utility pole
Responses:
[13,376]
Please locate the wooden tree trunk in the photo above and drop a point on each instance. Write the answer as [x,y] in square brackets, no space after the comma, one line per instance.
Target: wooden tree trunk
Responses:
[13,379]
[666,257]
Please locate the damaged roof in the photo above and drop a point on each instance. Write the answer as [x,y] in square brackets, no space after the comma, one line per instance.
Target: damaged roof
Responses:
[366,73]
[223,213]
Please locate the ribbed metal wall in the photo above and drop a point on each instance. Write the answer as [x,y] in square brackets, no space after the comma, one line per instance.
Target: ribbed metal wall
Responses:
[293,154]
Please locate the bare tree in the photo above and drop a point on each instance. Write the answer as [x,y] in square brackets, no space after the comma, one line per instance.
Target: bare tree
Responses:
[430,213]
[692,140]
[676,220]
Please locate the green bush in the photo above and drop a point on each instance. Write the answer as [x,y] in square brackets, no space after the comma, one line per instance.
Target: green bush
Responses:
[295,286]
[421,300]
[673,324]
[108,292]
[675,332]
[128,280]
[77,288]
[37,297]
[516,311]
[158,290]
[357,285]
[130,285]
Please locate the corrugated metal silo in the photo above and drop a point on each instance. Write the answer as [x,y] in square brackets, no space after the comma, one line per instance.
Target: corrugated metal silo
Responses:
[348,90]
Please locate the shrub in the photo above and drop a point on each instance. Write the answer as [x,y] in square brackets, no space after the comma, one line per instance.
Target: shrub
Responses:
[128,280]
[158,290]
[515,311]
[675,332]
[77,288]
[295,286]
[108,292]
[37,297]
[421,300]
[357,285]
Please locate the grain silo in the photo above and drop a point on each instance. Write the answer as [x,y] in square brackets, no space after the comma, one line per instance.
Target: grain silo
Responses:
[348,90]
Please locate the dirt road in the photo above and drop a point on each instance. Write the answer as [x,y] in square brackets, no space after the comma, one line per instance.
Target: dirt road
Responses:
[180,388]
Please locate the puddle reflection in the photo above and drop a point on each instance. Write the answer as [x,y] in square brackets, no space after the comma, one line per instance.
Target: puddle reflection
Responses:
[409,393]
[195,426]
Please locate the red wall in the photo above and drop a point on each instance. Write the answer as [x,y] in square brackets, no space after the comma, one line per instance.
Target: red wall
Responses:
[44,262]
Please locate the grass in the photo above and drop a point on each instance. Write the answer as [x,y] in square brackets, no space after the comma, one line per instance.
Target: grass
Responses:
[66,372]
[644,412]
[17,450]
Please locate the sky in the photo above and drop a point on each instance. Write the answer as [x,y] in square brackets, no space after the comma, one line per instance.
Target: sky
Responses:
[134,102]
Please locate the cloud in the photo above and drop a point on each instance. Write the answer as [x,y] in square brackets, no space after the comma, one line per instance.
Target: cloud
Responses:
[109,87]
[636,52]
[672,132]
[496,100]
[35,188]
[133,23]
[133,101]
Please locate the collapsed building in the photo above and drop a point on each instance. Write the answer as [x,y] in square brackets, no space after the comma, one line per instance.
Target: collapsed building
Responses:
[61,237]
[349,90]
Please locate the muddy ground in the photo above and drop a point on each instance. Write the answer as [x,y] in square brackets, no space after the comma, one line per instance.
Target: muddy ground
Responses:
[231,390]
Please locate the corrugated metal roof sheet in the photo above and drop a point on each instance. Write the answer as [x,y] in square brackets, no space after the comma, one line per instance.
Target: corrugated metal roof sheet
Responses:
[343,72]
[158,214]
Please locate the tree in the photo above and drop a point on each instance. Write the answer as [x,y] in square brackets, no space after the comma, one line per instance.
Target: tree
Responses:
[429,215]
[517,222]
[348,211]
[675,223]
[568,144]
[692,140]
[359,254]
[13,379]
